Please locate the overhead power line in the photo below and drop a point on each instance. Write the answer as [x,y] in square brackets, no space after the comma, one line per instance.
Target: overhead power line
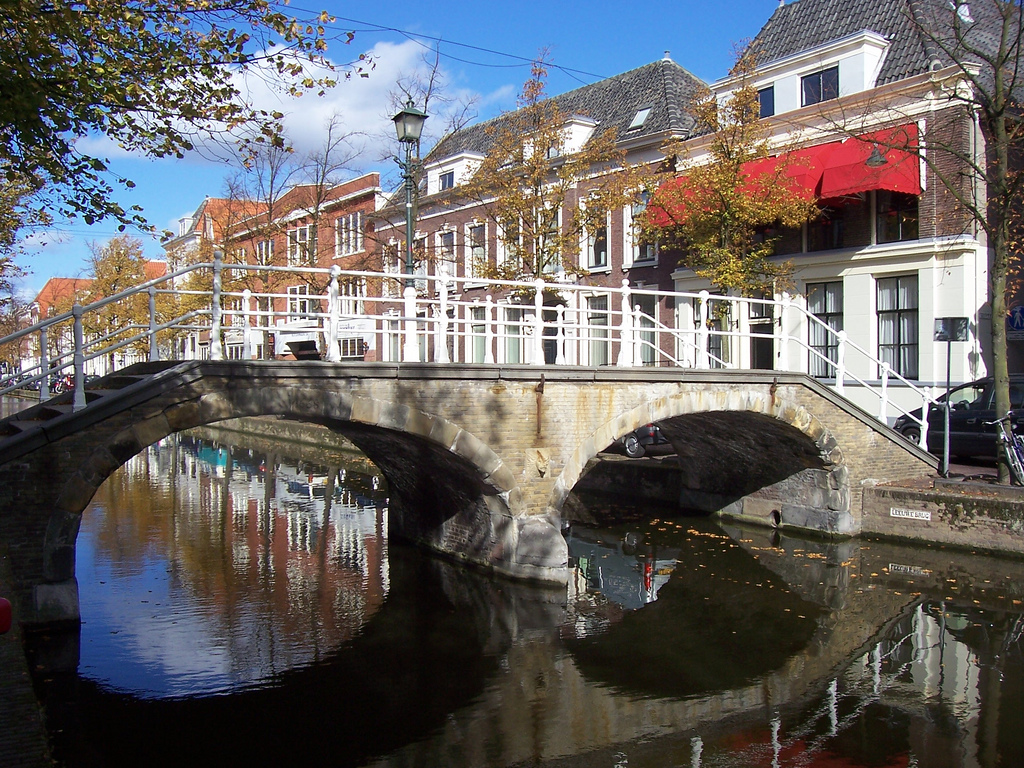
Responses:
[416,37]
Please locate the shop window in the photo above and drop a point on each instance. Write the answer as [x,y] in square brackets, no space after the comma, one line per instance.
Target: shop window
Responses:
[896,216]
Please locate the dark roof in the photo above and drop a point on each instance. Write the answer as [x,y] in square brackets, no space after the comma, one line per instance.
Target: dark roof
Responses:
[663,85]
[805,24]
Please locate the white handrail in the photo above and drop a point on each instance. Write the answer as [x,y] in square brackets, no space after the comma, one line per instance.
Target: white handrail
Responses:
[402,322]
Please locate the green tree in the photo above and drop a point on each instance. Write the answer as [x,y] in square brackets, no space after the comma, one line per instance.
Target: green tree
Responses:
[153,76]
[719,211]
[530,173]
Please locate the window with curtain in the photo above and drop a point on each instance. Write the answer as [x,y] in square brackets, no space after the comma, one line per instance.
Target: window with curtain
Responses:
[825,302]
[597,320]
[897,307]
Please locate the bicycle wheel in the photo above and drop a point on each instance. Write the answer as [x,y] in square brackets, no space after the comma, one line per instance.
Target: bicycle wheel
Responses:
[1015,460]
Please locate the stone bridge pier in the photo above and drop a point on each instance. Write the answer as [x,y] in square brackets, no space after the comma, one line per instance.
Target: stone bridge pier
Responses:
[479,459]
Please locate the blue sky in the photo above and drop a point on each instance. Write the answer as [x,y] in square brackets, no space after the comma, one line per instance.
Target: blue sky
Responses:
[486,50]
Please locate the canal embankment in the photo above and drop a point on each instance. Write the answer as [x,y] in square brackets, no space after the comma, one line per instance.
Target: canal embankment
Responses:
[970,514]
[23,742]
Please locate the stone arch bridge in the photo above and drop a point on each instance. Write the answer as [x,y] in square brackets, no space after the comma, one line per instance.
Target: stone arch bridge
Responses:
[479,459]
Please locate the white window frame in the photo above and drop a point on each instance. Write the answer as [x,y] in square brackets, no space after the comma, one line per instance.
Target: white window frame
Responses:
[475,250]
[631,248]
[298,246]
[300,302]
[265,252]
[348,234]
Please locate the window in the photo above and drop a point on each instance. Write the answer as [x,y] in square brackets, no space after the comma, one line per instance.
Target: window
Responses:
[598,251]
[265,252]
[821,86]
[478,334]
[446,267]
[349,234]
[476,250]
[643,251]
[298,246]
[896,216]
[639,118]
[447,180]
[825,302]
[718,322]
[597,321]
[898,324]
[551,242]
[351,294]
[826,232]
[300,304]
[511,247]
[352,348]
[766,100]
[515,335]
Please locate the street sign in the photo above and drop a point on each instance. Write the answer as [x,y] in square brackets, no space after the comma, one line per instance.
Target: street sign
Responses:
[950,329]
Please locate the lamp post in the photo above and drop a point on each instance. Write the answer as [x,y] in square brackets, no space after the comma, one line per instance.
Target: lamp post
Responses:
[409,126]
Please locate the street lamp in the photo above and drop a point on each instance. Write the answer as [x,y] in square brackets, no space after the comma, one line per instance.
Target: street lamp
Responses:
[409,127]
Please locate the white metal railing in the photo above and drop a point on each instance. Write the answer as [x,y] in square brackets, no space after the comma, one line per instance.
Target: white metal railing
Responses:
[444,319]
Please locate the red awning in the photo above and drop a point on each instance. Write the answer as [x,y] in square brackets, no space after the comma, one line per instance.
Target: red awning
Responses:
[823,172]
[847,170]
[803,167]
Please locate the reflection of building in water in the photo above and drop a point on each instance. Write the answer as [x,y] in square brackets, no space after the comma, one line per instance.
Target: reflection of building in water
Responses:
[628,572]
[260,543]
[934,691]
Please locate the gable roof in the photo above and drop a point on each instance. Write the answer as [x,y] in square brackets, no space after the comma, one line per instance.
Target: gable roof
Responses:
[663,86]
[806,24]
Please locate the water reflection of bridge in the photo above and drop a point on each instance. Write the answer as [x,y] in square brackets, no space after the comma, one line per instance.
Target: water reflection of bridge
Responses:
[811,620]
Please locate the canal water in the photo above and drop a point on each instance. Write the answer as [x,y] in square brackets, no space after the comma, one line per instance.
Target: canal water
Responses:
[242,605]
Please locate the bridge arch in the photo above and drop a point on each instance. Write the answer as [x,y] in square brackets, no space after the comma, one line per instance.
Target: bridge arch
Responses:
[717,435]
[449,490]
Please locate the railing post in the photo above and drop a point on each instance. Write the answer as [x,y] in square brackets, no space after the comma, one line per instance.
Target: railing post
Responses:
[560,351]
[739,352]
[441,343]
[883,394]
[333,352]
[488,331]
[410,349]
[538,321]
[154,348]
[703,358]
[247,324]
[626,346]
[841,362]
[44,366]
[216,344]
[785,337]
[638,344]
[928,399]
[79,401]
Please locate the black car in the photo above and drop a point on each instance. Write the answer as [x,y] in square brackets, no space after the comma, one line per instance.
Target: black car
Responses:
[971,405]
[635,443]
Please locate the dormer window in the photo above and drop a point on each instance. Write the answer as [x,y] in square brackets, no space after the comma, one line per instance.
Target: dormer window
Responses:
[766,100]
[639,118]
[820,86]
[447,180]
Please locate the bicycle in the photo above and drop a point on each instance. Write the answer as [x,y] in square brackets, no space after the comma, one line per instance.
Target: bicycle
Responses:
[1013,448]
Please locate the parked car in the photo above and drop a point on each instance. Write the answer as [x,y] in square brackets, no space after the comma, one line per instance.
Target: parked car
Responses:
[971,405]
[636,443]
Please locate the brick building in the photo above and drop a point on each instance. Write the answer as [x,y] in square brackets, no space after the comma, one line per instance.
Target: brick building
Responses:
[645,107]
